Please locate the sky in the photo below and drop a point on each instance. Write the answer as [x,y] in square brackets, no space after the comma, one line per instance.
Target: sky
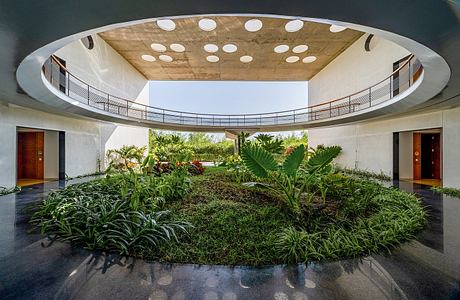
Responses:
[229,97]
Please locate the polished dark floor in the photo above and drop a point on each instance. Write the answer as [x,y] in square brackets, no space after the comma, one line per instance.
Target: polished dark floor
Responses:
[32,268]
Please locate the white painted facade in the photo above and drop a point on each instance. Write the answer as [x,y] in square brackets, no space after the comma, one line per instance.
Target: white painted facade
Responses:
[86,140]
[368,145]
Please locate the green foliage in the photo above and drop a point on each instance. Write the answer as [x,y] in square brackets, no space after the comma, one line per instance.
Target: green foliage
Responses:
[169,147]
[270,143]
[234,224]
[122,212]
[291,180]
[447,191]
[258,160]
[125,158]
[364,174]
[6,191]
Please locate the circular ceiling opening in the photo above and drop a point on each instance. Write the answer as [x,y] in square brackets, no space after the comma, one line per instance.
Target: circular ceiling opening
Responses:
[177,47]
[281,48]
[207,24]
[229,48]
[158,47]
[309,59]
[147,57]
[292,59]
[336,28]
[293,26]
[300,49]
[246,59]
[212,58]
[167,25]
[253,25]
[165,58]
[211,48]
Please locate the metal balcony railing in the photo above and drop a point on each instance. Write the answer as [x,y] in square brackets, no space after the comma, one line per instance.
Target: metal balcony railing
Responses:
[397,82]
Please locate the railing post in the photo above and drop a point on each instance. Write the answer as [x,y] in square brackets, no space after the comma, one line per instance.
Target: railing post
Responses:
[68,84]
[330,109]
[294,116]
[409,72]
[145,112]
[127,108]
[349,104]
[88,94]
[370,97]
[163,115]
[391,87]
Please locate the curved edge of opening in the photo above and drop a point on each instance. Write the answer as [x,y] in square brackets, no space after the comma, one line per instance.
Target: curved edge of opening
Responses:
[435,76]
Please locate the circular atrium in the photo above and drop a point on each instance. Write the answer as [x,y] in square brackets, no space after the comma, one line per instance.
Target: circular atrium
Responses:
[229,150]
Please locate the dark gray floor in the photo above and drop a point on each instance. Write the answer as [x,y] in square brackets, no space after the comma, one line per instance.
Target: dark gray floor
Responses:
[31,268]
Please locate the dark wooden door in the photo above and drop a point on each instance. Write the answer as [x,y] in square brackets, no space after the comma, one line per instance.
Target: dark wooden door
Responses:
[31,155]
[417,155]
[435,155]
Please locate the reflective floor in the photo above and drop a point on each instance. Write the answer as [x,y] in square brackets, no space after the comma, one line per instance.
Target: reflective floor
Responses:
[32,268]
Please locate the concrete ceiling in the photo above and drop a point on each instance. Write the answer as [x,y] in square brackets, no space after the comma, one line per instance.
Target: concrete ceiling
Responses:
[134,41]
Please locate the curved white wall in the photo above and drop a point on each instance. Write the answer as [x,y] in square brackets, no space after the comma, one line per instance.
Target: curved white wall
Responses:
[355,69]
[104,68]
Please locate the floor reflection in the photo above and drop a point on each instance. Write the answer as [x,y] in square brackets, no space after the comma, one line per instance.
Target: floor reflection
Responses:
[427,268]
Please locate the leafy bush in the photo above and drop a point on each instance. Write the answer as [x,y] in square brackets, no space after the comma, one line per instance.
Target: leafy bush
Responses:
[6,191]
[295,175]
[125,158]
[447,191]
[121,213]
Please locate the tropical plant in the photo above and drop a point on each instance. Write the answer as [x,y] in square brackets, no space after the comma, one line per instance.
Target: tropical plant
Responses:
[122,212]
[125,158]
[269,143]
[292,179]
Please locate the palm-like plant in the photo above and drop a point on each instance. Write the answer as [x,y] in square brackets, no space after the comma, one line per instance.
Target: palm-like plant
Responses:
[294,176]
[125,158]
[269,143]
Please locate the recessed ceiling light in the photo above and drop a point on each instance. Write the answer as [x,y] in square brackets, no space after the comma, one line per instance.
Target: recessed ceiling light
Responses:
[212,58]
[177,47]
[207,24]
[211,48]
[281,48]
[167,25]
[158,47]
[165,58]
[147,57]
[336,28]
[292,59]
[293,26]
[253,25]
[246,59]
[309,59]
[300,49]
[229,48]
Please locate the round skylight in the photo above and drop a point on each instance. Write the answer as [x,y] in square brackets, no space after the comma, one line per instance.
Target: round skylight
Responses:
[211,48]
[147,57]
[212,58]
[300,49]
[246,59]
[253,25]
[167,24]
[281,48]
[293,26]
[292,59]
[177,47]
[229,48]
[158,47]
[165,58]
[336,28]
[309,59]
[207,24]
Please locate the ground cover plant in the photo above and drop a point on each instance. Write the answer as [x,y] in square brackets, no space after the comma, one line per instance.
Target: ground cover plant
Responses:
[261,208]
[447,191]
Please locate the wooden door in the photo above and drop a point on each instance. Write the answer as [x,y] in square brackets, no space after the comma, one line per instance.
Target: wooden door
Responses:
[435,155]
[30,155]
[417,155]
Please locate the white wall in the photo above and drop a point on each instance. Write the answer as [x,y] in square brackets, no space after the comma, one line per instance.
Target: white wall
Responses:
[83,140]
[354,70]
[369,145]
[51,154]
[405,155]
[105,69]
